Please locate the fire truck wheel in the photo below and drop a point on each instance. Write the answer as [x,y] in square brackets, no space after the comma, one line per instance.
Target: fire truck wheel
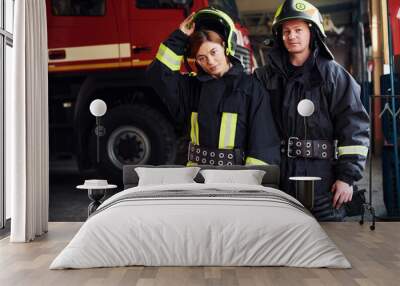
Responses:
[134,134]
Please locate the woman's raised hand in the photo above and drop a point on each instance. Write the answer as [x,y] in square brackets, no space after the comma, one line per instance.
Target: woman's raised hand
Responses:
[187,26]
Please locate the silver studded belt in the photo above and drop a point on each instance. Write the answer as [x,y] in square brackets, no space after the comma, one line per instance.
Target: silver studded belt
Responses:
[313,149]
[220,157]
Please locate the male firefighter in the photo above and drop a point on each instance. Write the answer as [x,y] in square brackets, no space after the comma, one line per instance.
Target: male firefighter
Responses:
[300,66]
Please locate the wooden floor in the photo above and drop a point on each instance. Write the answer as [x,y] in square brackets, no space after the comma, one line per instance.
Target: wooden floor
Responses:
[375,256]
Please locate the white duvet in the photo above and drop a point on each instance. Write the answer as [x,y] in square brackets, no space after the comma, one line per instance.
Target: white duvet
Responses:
[208,230]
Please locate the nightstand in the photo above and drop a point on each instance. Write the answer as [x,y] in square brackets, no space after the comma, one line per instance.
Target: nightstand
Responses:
[305,190]
[96,192]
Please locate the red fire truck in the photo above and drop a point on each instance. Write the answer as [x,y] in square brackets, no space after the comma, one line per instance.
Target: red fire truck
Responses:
[100,49]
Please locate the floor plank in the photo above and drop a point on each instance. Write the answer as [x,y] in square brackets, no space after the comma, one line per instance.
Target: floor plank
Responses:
[374,255]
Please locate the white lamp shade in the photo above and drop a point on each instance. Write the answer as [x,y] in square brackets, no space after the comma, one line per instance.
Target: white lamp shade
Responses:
[98,107]
[305,107]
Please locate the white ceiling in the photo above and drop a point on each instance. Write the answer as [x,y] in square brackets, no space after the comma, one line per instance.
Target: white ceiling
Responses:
[246,6]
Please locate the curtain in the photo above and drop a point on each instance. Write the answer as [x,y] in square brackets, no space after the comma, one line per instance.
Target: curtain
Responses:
[27,124]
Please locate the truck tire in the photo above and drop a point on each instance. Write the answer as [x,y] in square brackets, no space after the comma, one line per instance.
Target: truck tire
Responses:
[134,134]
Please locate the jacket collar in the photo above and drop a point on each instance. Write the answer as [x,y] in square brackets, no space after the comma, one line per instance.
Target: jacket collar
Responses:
[279,60]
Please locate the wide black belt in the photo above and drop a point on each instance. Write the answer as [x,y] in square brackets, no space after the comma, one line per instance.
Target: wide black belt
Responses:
[220,157]
[313,149]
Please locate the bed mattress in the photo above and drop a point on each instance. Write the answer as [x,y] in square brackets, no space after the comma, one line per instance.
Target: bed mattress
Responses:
[201,225]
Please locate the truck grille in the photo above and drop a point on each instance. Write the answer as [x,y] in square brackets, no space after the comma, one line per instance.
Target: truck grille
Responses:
[243,55]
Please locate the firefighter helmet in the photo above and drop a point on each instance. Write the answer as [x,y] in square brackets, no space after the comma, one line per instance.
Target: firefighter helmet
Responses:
[298,9]
[218,21]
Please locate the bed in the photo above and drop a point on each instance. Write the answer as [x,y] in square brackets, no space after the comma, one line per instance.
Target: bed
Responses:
[201,224]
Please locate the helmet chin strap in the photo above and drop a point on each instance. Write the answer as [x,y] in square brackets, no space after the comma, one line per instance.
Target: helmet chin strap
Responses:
[225,48]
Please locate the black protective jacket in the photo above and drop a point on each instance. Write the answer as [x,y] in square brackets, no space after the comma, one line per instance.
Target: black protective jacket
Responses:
[339,115]
[235,92]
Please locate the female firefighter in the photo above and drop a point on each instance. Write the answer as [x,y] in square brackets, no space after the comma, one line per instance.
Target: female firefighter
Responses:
[227,110]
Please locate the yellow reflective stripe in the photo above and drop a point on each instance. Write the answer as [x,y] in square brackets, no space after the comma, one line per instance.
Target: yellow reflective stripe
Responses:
[254,161]
[191,164]
[194,130]
[353,150]
[227,131]
[169,58]
[278,11]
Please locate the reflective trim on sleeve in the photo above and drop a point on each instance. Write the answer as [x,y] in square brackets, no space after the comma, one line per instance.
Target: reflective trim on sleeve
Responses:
[353,150]
[227,131]
[169,58]
[194,130]
[254,161]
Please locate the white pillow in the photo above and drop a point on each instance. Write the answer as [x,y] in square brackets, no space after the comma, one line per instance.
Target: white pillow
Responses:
[162,176]
[248,177]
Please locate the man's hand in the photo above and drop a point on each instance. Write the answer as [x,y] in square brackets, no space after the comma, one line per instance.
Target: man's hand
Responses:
[187,26]
[343,193]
